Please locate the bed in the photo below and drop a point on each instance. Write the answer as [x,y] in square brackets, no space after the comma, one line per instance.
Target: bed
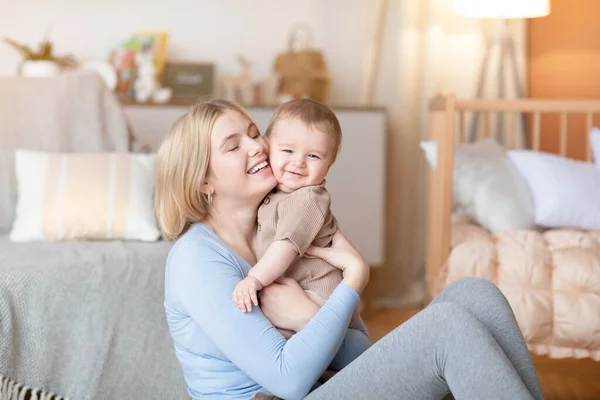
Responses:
[550,275]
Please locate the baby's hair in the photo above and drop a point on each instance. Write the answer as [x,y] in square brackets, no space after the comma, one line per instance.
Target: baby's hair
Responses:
[313,114]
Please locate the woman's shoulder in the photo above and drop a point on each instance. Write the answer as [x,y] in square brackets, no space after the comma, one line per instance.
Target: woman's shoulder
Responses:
[199,241]
[198,264]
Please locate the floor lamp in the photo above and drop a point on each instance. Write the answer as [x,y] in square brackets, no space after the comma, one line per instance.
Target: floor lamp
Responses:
[501,38]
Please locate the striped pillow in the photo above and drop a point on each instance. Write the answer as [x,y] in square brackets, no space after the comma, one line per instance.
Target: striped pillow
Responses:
[64,196]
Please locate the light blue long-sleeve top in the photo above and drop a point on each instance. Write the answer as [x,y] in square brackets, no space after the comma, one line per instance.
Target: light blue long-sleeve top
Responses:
[227,354]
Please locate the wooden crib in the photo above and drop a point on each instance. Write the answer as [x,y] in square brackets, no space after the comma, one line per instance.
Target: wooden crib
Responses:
[448,127]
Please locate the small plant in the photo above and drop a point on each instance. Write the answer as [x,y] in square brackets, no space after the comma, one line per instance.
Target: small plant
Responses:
[44,53]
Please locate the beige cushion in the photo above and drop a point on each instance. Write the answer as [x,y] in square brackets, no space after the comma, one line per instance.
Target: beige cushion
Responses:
[487,187]
[71,112]
[65,196]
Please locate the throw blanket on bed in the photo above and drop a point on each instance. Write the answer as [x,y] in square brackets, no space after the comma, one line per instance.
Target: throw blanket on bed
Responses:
[551,280]
[86,319]
[70,112]
[12,390]
[83,319]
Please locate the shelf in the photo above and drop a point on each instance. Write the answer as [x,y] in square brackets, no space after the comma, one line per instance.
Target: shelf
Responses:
[187,102]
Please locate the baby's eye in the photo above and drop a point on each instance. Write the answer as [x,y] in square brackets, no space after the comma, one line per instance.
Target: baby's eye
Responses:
[313,156]
[287,151]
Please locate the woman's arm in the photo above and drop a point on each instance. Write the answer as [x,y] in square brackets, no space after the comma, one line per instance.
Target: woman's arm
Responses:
[343,255]
[277,301]
[280,304]
[202,281]
[356,342]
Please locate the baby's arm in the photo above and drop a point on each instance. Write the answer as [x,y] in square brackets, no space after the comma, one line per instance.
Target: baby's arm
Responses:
[276,260]
[300,218]
[200,281]
[272,265]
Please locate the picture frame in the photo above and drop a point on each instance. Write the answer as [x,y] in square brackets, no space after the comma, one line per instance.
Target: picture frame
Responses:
[188,79]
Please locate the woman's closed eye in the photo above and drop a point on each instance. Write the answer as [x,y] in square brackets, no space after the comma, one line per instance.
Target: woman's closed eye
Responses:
[234,147]
[253,132]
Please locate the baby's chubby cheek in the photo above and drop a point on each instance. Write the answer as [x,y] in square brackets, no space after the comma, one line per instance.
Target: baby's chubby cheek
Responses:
[275,166]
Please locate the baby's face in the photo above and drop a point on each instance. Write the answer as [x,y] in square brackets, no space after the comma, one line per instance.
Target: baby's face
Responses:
[299,155]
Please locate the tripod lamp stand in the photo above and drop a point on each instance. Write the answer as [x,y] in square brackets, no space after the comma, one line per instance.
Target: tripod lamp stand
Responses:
[503,40]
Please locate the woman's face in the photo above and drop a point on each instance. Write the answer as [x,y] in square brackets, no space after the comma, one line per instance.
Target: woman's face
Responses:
[238,166]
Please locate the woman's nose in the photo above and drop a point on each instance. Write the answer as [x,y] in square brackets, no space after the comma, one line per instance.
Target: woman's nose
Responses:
[255,148]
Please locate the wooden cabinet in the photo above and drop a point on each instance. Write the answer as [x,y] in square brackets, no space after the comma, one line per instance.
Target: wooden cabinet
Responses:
[356,181]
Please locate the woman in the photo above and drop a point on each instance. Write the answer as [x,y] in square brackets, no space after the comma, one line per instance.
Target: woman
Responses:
[466,342]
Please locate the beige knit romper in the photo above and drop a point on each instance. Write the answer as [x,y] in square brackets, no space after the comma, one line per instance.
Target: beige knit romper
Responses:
[304,218]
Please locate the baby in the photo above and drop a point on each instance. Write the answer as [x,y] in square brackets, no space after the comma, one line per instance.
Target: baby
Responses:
[304,137]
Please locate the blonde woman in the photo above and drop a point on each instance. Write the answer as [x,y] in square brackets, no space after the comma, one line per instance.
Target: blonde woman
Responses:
[212,174]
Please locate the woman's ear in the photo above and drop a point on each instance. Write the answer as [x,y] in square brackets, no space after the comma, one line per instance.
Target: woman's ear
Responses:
[206,188]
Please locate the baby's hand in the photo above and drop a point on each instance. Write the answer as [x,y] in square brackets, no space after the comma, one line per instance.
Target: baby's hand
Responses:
[244,293]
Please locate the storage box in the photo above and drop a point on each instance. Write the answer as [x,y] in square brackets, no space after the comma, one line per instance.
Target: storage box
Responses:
[190,79]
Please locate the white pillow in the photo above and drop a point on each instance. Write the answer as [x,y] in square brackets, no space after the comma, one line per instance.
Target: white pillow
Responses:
[487,187]
[490,189]
[65,196]
[566,192]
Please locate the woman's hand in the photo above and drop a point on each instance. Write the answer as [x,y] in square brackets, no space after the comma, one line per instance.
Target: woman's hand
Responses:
[344,256]
[286,305]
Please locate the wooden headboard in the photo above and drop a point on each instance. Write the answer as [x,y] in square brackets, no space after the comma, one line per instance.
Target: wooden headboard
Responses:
[447,128]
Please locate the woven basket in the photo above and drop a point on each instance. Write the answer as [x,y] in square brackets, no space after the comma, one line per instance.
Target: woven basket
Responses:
[303,70]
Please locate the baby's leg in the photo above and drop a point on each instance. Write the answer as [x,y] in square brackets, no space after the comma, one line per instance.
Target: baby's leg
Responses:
[318,300]
[286,333]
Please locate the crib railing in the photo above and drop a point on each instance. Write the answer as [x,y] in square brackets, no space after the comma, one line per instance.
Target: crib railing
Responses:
[449,120]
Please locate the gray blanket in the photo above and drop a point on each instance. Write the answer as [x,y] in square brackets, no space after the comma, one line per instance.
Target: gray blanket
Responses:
[86,320]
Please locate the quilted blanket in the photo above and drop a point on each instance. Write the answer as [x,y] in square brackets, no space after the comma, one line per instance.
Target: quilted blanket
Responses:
[550,278]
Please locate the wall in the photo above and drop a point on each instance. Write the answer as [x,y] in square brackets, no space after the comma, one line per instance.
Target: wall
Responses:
[201,30]
[425,49]
[563,59]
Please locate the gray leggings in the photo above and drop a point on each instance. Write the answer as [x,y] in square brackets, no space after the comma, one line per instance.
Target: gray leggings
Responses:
[465,344]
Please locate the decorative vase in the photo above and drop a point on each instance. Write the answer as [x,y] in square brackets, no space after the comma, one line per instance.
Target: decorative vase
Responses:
[38,68]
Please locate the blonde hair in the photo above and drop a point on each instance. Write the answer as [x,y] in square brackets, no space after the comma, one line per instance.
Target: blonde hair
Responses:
[313,114]
[182,167]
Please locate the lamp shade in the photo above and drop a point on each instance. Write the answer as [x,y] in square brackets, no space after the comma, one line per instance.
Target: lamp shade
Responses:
[502,8]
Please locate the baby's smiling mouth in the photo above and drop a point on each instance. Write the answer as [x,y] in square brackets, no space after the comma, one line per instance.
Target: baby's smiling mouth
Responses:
[294,173]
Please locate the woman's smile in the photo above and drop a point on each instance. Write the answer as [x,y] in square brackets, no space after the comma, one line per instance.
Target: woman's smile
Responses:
[260,169]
